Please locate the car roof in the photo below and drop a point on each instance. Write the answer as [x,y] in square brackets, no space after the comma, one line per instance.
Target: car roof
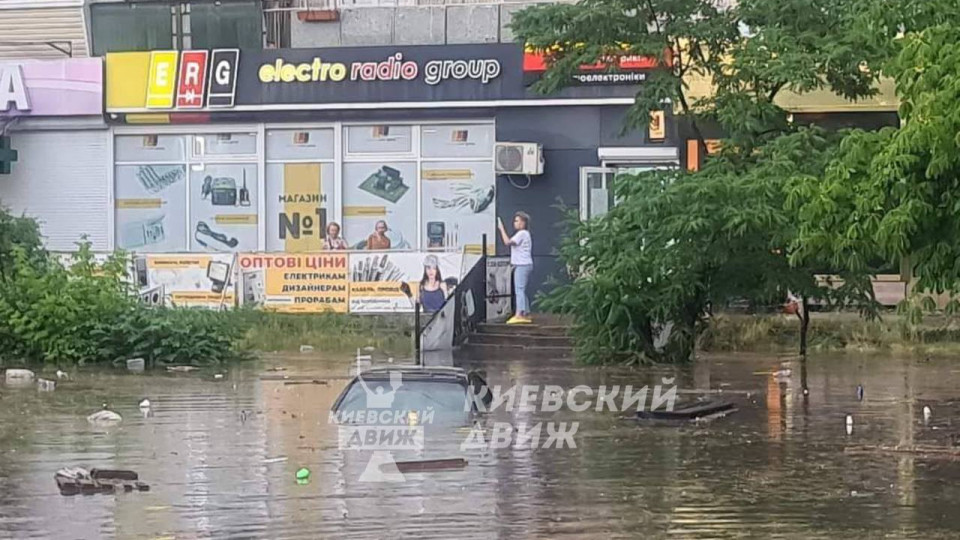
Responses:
[415,371]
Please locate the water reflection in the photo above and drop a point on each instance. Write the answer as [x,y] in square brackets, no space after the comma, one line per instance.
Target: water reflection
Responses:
[221,456]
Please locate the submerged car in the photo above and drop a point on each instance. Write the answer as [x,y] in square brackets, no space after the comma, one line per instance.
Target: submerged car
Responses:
[434,395]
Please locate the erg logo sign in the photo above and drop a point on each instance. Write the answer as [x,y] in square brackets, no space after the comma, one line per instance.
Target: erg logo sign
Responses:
[201,75]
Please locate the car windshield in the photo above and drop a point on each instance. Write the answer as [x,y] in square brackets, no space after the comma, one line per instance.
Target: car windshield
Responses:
[445,398]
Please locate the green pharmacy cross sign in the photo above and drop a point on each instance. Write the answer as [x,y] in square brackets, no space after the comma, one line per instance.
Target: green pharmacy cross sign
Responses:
[7,155]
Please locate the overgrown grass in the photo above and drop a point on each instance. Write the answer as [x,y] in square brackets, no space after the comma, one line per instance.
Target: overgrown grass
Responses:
[280,332]
[831,332]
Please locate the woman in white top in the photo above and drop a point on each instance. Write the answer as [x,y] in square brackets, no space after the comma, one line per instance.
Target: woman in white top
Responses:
[521,257]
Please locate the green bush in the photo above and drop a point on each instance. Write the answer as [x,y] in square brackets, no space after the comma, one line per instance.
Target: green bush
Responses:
[86,312]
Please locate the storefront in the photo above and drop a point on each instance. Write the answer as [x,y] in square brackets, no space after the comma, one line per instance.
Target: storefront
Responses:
[226,151]
[51,114]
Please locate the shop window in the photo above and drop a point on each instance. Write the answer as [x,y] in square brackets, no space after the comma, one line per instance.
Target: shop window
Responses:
[150,179]
[224,144]
[151,207]
[457,141]
[378,194]
[458,204]
[223,207]
[379,139]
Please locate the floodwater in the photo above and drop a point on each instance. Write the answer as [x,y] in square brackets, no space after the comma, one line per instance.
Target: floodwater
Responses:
[782,466]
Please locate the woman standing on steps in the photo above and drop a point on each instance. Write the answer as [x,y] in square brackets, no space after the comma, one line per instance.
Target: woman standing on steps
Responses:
[521,258]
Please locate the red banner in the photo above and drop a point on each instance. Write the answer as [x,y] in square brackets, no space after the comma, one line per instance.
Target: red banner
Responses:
[535,62]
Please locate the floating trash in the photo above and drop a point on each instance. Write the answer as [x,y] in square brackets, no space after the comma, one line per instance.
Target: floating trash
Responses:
[303,475]
[75,480]
[104,417]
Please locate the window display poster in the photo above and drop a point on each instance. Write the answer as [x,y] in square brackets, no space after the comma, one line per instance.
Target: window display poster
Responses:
[299,199]
[299,144]
[150,148]
[458,205]
[377,279]
[380,205]
[379,139]
[225,144]
[151,208]
[187,280]
[223,207]
[457,141]
[294,283]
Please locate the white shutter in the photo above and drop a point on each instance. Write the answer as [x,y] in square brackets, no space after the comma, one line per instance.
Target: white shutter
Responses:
[62,179]
[38,32]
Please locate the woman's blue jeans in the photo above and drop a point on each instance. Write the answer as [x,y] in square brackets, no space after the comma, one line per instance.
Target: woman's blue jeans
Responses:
[521,277]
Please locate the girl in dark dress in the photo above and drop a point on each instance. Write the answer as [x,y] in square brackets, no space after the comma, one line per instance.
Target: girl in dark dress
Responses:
[433,291]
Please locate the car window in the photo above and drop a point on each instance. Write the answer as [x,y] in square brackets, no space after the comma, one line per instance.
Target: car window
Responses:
[446,398]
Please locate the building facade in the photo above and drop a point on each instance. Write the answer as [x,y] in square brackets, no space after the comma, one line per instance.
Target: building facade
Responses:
[242,126]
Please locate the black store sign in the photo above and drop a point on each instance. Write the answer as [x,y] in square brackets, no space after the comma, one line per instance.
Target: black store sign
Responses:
[381,74]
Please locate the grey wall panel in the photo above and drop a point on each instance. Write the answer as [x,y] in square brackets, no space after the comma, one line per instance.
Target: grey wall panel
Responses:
[506,16]
[61,178]
[473,24]
[367,26]
[307,35]
[420,26]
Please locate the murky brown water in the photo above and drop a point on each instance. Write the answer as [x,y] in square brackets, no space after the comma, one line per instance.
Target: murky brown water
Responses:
[780,467]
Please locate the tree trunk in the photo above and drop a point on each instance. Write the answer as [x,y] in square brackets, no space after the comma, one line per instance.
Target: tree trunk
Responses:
[804,314]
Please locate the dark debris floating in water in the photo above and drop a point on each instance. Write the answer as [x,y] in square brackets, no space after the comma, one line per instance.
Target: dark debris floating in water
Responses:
[76,480]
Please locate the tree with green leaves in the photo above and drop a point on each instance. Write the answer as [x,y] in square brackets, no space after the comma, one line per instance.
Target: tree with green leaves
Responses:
[896,193]
[751,52]
[679,243]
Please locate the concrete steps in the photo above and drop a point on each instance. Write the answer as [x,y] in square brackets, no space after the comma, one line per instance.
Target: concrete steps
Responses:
[512,330]
[503,351]
[527,340]
[544,339]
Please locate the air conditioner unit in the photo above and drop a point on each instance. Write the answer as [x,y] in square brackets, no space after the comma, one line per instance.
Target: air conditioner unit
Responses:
[518,158]
[152,296]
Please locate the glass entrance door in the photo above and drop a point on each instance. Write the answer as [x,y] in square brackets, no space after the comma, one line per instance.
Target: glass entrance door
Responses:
[596,195]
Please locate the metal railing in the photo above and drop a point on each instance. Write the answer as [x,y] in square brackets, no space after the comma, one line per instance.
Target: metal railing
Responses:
[460,315]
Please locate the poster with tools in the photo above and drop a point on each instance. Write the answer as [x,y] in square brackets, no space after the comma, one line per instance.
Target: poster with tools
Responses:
[380,205]
[186,280]
[389,282]
[293,283]
[223,207]
[458,206]
[299,196]
[151,208]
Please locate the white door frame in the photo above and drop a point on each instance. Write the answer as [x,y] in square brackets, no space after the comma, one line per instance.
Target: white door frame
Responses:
[584,189]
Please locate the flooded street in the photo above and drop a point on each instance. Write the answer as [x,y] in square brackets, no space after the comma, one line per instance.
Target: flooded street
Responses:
[221,457]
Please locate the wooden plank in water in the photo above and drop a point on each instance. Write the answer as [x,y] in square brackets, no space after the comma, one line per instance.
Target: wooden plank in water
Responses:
[431,465]
[687,413]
